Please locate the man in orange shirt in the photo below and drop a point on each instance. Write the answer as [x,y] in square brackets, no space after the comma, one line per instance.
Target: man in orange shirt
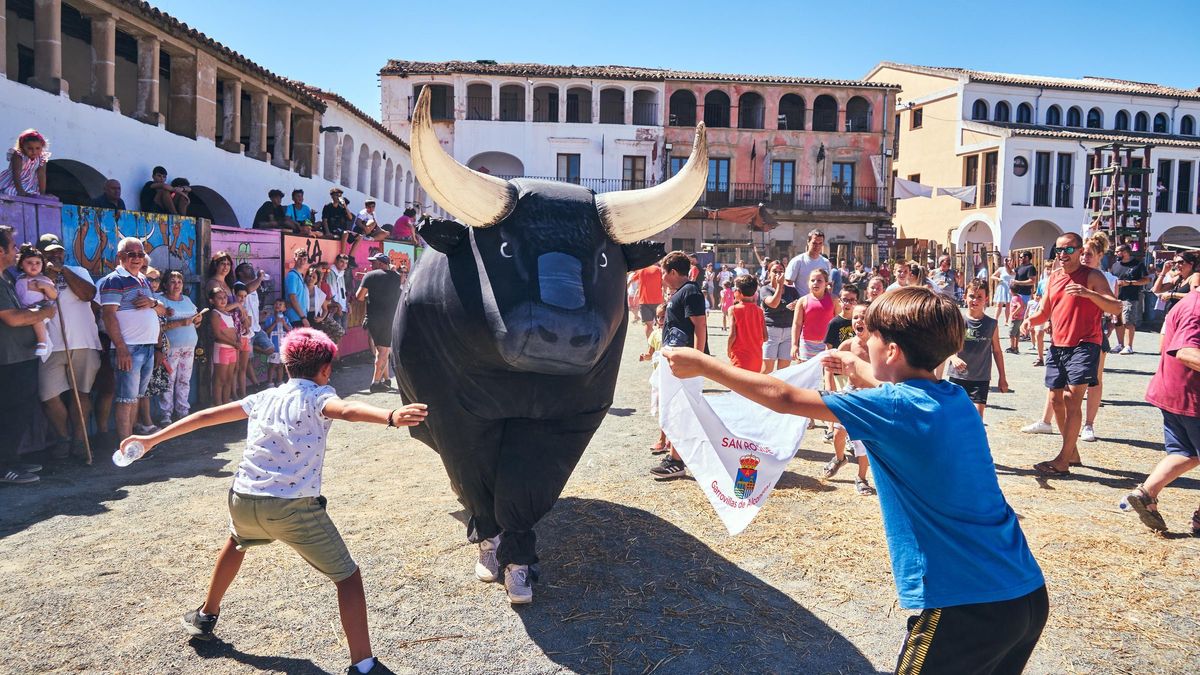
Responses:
[650,294]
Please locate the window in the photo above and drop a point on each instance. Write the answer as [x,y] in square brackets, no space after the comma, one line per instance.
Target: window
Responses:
[918,117]
[441,101]
[612,106]
[1074,117]
[683,109]
[783,177]
[1163,189]
[979,110]
[896,139]
[970,175]
[633,172]
[579,106]
[683,244]
[1122,121]
[1062,191]
[825,113]
[716,109]
[1041,179]
[914,177]
[858,114]
[1054,116]
[1161,124]
[479,101]
[1183,193]
[1135,180]
[512,103]
[751,111]
[677,164]
[1002,112]
[1141,122]
[568,168]
[991,162]
[791,113]
[718,182]
[843,183]
[1024,113]
[1095,119]
[1187,125]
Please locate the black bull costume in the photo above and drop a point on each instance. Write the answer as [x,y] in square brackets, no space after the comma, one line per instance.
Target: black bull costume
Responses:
[511,328]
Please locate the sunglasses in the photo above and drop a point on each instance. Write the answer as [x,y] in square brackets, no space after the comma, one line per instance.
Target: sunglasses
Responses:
[1179,262]
[1069,250]
[154,279]
[134,254]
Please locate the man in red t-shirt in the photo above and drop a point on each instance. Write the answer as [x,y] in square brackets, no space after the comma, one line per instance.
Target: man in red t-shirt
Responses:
[650,294]
[749,328]
[1175,389]
[1076,298]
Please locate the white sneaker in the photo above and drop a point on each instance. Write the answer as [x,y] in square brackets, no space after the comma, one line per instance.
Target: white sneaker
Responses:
[1127,350]
[144,429]
[488,569]
[518,584]
[1087,433]
[1038,428]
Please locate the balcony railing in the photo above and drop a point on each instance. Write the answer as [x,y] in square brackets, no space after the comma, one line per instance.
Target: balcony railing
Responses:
[612,113]
[795,198]
[1062,194]
[859,123]
[716,115]
[479,108]
[989,194]
[1041,195]
[512,109]
[440,108]
[579,112]
[544,112]
[645,114]
[597,185]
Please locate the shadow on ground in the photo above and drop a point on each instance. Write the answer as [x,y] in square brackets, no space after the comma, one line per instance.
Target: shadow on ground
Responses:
[222,650]
[631,592]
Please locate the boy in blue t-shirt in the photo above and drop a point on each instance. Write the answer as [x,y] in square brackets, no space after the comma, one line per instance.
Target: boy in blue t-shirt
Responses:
[958,553]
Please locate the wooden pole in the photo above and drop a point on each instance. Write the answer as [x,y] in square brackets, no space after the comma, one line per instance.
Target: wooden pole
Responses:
[62,325]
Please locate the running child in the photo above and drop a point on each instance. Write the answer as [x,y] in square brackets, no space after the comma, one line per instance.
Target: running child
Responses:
[971,367]
[957,550]
[727,300]
[276,492]
[276,326]
[1016,313]
[35,290]
[748,330]
[857,346]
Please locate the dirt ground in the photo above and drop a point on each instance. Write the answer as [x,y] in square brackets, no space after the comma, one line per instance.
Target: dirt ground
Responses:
[98,563]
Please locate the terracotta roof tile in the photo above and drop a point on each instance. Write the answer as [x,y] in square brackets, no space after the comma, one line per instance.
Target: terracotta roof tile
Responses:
[1099,135]
[1096,84]
[406,68]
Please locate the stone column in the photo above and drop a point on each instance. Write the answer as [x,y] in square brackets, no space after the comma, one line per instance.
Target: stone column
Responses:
[146,109]
[306,157]
[258,127]
[205,100]
[232,124]
[181,119]
[283,136]
[104,62]
[47,46]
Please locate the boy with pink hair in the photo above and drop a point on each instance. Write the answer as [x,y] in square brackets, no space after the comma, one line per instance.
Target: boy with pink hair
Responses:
[276,492]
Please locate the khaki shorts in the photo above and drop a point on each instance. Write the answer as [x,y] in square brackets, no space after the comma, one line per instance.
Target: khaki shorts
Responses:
[300,523]
[52,374]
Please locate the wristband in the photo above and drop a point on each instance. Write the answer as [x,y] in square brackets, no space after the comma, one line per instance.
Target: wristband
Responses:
[391,423]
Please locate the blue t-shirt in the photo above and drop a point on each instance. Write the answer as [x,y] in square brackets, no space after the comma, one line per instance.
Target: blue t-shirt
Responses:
[294,285]
[184,308]
[953,538]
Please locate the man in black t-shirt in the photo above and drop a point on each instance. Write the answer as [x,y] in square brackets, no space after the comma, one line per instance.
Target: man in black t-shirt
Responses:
[686,326]
[1131,276]
[380,289]
[270,215]
[336,218]
[1025,277]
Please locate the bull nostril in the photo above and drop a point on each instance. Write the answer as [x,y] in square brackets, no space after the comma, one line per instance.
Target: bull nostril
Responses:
[583,340]
[549,336]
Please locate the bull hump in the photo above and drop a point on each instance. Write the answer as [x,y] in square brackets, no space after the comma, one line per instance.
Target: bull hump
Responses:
[553,216]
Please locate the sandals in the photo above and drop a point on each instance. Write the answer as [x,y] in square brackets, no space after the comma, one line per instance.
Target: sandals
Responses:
[1048,470]
[863,488]
[658,449]
[831,468]
[1039,362]
[1139,500]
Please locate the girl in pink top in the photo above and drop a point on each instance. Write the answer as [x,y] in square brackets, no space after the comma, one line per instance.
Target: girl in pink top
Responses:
[727,300]
[26,172]
[813,314]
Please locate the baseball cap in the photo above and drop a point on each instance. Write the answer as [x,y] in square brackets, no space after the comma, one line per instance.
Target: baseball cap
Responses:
[49,242]
[381,257]
[370,200]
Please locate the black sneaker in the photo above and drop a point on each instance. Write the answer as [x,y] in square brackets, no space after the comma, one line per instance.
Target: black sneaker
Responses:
[200,625]
[379,388]
[669,469]
[376,669]
[17,477]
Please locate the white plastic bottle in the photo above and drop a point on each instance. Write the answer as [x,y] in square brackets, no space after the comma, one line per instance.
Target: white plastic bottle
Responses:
[129,453]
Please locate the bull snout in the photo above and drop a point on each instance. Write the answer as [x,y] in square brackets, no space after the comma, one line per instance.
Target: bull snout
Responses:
[560,279]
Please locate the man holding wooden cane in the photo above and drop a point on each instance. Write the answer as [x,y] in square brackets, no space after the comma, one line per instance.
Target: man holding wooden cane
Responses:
[73,364]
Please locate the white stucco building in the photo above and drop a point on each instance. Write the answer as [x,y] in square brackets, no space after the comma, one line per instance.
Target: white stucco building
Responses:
[1026,142]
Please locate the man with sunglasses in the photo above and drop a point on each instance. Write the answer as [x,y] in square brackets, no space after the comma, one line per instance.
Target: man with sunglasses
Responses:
[1076,298]
[1131,276]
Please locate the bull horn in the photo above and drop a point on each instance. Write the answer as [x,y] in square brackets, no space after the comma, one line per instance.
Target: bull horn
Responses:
[634,215]
[474,198]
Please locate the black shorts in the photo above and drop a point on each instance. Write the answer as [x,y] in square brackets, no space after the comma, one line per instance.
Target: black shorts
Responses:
[1072,365]
[647,312]
[380,332]
[989,637]
[977,390]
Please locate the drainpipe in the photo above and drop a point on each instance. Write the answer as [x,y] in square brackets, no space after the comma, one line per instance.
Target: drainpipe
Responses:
[1178,101]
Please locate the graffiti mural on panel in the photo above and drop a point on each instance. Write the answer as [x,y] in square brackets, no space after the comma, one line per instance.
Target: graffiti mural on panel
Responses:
[260,248]
[403,256]
[91,235]
[324,250]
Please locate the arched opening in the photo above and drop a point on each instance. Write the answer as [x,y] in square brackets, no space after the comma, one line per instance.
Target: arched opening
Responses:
[858,114]
[1025,114]
[612,106]
[545,104]
[208,203]
[1054,116]
[346,161]
[1141,122]
[1162,125]
[512,103]
[479,101]
[441,101]
[1074,117]
[645,108]
[1121,121]
[329,150]
[376,162]
[716,109]
[1181,235]
[751,110]
[73,182]
[408,189]
[398,187]
[979,110]
[683,109]
[1003,112]
[975,232]
[364,169]
[791,112]
[1187,125]
[579,105]
[824,113]
[499,164]
[1095,119]
[389,173]
[1036,233]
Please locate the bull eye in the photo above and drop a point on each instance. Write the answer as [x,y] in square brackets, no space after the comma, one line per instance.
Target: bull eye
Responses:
[504,249]
[604,259]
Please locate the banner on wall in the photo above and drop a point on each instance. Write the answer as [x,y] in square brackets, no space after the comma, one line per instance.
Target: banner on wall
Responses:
[91,234]
[260,248]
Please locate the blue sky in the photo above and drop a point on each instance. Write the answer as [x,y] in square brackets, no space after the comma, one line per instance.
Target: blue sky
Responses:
[341,46]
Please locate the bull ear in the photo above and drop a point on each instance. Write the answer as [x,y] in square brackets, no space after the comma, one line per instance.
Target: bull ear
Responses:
[641,254]
[442,235]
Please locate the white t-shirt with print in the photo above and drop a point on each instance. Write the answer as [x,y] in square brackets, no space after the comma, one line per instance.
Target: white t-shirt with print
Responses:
[77,314]
[285,440]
